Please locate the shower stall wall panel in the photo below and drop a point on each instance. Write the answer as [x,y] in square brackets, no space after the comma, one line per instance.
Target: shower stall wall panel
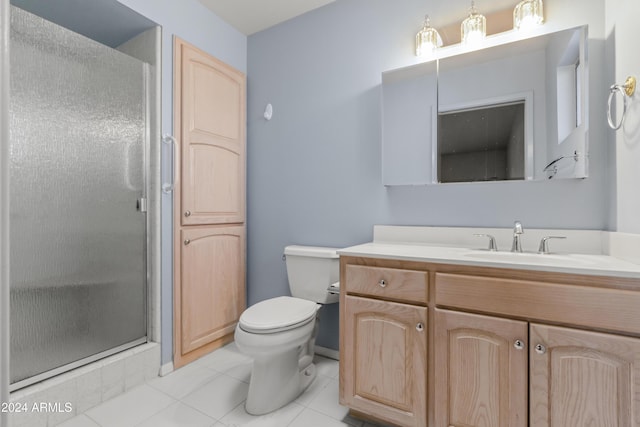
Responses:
[79,134]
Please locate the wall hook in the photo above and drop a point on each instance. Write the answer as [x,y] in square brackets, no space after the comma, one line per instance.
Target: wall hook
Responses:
[626,91]
[268,112]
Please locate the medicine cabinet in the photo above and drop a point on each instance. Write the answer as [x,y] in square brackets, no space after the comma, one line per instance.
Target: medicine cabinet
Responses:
[514,110]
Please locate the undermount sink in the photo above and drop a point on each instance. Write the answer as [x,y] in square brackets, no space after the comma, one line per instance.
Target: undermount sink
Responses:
[531,258]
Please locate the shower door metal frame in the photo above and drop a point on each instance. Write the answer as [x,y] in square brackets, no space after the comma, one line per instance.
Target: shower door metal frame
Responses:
[4,207]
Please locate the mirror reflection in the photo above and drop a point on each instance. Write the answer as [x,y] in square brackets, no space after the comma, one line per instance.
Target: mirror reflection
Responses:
[481,144]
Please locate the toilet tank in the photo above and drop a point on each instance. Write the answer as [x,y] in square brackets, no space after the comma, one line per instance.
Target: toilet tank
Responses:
[311,269]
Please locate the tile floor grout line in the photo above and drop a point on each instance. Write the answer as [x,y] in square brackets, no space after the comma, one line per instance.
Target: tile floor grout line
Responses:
[192,391]
[215,420]
[234,408]
[88,416]
[153,415]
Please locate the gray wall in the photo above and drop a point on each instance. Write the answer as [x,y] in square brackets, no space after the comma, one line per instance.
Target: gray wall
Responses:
[623,61]
[314,170]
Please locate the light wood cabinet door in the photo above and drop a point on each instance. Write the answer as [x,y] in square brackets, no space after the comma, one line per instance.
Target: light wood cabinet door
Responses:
[212,134]
[480,371]
[385,359]
[211,295]
[581,378]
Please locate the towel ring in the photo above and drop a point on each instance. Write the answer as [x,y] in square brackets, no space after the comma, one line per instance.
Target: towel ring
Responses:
[626,90]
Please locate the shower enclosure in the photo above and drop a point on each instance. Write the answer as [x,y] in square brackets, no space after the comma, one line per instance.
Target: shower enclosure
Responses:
[79,135]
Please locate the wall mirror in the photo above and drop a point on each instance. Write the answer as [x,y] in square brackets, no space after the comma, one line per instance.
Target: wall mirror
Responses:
[513,111]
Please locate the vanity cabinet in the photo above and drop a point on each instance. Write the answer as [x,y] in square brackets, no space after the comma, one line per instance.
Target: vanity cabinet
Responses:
[575,378]
[383,371]
[444,345]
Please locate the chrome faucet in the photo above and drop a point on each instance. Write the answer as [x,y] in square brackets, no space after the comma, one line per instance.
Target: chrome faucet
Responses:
[517,233]
[544,244]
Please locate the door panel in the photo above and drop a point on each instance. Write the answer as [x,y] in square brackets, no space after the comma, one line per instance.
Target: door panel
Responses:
[582,378]
[217,99]
[214,164]
[212,288]
[481,375]
[213,140]
[386,360]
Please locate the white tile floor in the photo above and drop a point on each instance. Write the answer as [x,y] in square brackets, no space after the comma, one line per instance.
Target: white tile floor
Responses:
[211,393]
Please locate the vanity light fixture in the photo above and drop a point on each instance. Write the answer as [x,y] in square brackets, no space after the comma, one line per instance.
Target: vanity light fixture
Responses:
[528,14]
[427,39]
[474,28]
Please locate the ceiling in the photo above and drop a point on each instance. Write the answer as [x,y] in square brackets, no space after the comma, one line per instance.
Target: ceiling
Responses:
[251,16]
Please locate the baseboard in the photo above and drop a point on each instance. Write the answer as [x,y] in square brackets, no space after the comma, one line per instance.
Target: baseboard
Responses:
[166,369]
[327,352]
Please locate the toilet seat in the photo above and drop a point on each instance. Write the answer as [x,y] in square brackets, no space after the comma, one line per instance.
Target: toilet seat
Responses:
[277,315]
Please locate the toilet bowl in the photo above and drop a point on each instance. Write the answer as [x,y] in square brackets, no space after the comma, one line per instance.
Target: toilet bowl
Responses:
[277,376]
[279,333]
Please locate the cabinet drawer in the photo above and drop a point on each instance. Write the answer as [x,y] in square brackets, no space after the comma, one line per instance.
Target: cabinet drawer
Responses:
[603,308]
[388,283]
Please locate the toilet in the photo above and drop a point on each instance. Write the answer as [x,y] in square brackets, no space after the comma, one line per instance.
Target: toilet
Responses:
[279,333]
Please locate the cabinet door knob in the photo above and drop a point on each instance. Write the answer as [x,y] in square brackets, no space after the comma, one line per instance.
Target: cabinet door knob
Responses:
[540,349]
[187,214]
[419,327]
[518,344]
[186,242]
[382,283]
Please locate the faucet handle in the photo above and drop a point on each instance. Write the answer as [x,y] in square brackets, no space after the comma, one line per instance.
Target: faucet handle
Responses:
[517,228]
[544,243]
[492,241]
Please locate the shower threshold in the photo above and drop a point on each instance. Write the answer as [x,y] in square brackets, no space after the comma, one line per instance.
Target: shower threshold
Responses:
[77,364]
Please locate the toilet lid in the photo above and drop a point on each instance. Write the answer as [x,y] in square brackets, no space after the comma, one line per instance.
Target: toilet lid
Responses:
[277,314]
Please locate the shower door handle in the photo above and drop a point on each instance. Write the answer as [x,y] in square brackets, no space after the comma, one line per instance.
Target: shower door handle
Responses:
[167,187]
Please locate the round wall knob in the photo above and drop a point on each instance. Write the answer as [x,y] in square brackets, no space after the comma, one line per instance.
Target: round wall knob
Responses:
[540,349]
[419,327]
[382,283]
[186,242]
[518,344]
[187,214]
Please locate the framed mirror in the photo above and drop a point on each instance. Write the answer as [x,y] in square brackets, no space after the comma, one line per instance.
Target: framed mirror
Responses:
[512,111]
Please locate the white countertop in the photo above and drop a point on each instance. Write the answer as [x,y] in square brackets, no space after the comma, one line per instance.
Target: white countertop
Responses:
[589,264]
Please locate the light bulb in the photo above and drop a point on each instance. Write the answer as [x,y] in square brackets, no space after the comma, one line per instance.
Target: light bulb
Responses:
[528,14]
[427,39]
[474,28]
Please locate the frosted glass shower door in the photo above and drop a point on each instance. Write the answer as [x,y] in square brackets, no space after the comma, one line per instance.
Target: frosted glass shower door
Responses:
[78,133]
